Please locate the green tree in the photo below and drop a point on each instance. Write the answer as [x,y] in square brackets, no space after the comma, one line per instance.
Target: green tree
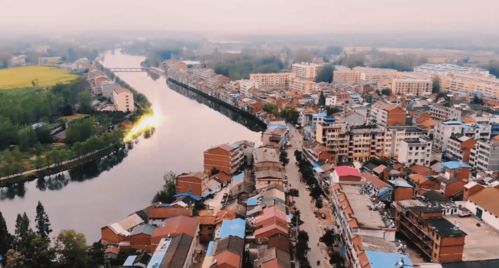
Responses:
[14,259]
[27,138]
[271,108]
[80,130]
[72,250]
[166,195]
[436,85]
[5,237]
[43,134]
[96,254]
[477,100]
[7,132]
[322,99]
[22,232]
[290,114]
[42,221]
[325,74]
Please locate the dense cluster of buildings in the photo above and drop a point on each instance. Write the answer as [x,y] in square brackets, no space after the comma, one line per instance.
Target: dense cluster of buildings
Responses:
[233,212]
[411,178]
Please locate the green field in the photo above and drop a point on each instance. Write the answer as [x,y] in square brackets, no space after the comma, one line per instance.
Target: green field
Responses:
[24,77]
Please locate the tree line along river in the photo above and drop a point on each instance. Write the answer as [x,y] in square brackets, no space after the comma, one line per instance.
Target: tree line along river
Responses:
[100,192]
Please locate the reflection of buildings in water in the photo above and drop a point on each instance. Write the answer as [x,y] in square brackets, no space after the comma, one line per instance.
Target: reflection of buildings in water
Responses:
[235,116]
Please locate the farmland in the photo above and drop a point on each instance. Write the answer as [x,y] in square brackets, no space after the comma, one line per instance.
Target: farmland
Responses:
[33,76]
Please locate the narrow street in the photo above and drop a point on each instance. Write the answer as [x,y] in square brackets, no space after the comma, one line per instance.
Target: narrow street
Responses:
[305,205]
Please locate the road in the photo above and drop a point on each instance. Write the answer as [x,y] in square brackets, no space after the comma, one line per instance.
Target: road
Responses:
[304,204]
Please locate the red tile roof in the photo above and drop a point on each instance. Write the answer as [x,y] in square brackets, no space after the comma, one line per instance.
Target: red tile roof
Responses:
[342,171]
[178,225]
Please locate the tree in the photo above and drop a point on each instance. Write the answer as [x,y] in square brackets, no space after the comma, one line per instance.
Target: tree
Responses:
[72,250]
[322,99]
[5,237]
[43,134]
[14,259]
[22,231]
[27,138]
[167,194]
[328,238]
[96,254]
[386,91]
[290,114]
[477,100]
[436,85]
[271,108]
[42,221]
[318,203]
[325,74]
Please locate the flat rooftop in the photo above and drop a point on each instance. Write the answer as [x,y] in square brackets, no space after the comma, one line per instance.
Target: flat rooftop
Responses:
[480,242]
[377,244]
[360,205]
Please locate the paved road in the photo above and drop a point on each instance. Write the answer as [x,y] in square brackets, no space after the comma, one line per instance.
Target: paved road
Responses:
[304,204]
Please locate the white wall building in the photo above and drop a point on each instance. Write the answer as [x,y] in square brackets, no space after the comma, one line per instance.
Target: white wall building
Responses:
[123,100]
[415,151]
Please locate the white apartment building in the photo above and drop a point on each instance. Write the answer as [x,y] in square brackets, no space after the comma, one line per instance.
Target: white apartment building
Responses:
[395,135]
[386,114]
[123,100]
[442,132]
[272,81]
[444,129]
[442,113]
[352,144]
[345,75]
[439,69]
[456,147]
[415,151]
[305,70]
[381,77]
[304,86]
[488,86]
[485,155]
[246,85]
[331,100]
[411,85]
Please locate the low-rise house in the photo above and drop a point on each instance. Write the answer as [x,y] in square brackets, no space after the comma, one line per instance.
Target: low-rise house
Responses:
[483,204]
[123,100]
[345,174]
[162,211]
[176,226]
[140,237]
[174,251]
[119,232]
[194,182]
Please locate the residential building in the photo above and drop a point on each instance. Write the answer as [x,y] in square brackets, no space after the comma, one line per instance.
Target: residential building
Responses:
[176,251]
[386,114]
[442,69]
[272,81]
[305,71]
[49,61]
[276,135]
[361,226]
[443,131]
[123,100]
[459,147]
[488,86]
[302,85]
[194,182]
[176,226]
[415,151]
[345,75]
[343,174]
[225,158]
[424,225]
[483,204]
[411,85]
[227,253]
[119,232]
[485,155]
[394,136]
[380,77]
[19,60]
[442,113]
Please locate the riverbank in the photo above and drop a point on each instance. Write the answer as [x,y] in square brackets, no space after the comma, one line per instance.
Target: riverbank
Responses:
[254,122]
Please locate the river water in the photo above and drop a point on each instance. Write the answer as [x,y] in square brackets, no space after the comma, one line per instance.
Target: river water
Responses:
[102,192]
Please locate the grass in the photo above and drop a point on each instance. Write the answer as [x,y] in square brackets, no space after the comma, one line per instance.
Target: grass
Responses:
[23,77]
[73,117]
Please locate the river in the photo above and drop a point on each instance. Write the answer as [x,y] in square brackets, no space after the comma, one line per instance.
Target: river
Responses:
[100,193]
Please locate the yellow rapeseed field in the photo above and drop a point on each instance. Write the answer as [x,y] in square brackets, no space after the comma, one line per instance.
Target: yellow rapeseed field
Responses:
[41,76]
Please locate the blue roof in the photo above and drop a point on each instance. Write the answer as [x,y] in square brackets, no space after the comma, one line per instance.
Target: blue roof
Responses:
[238,178]
[378,259]
[315,165]
[159,253]
[189,195]
[252,201]
[130,260]
[321,114]
[235,227]
[454,165]
[452,122]
[400,183]
[209,250]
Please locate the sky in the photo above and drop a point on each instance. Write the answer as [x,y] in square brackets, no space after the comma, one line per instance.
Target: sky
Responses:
[253,16]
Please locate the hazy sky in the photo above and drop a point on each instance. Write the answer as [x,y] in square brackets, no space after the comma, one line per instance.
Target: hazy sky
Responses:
[254,16]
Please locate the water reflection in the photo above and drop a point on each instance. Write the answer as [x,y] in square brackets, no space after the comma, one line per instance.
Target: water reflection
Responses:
[240,118]
[55,182]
